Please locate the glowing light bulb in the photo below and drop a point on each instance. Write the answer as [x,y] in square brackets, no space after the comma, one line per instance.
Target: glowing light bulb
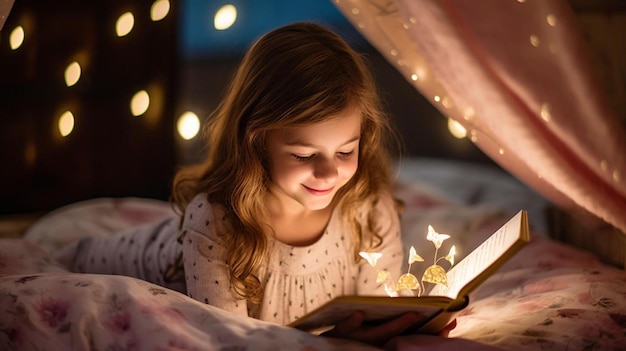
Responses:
[16,38]
[66,123]
[545,112]
[225,17]
[124,24]
[72,73]
[456,129]
[139,103]
[188,125]
[159,9]
[534,40]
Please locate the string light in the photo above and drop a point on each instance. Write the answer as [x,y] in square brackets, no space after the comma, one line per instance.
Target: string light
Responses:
[16,38]
[188,125]
[124,24]
[604,165]
[225,17]
[66,123]
[456,129]
[72,73]
[534,40]
[139,103]
[545,112]
[159,10]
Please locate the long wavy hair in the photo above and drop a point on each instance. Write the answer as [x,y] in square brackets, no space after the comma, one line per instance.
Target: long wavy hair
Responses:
[296,75]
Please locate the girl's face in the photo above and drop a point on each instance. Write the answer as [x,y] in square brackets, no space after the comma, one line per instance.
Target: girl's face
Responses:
[308,165]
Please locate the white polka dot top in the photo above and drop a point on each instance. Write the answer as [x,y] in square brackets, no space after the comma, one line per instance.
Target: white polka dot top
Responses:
[296,279]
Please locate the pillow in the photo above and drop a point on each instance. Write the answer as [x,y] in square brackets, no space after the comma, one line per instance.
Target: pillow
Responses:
[18,256]
[95,217]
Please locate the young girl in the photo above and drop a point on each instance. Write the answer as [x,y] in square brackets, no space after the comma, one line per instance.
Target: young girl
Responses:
[295,184]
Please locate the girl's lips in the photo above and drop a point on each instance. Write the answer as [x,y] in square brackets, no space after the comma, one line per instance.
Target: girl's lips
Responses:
[318,192]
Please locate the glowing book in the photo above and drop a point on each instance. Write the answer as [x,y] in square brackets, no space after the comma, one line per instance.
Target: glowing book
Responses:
[441,304]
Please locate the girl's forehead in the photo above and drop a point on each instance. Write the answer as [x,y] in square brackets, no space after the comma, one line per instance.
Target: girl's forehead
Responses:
[341,128]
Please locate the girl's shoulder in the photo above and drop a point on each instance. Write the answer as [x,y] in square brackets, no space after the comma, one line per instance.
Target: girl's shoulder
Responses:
[202,215]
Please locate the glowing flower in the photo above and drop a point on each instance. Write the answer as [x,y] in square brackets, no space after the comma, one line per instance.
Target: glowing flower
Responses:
[407,281]
[435,274]
[435,237]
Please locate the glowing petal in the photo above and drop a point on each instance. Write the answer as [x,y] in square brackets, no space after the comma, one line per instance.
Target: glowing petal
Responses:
[413,256]
[435,274]
[407,281]
[371,257]
[450,256]
[435,237]
[382,276]
[390,290]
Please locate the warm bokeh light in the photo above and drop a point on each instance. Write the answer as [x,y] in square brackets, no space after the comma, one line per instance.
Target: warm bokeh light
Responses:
[66,123]
[125,24]
[140,103]
[188,125]
[456,129]
[17,38]
[225,17]
[72,73]
[159,9]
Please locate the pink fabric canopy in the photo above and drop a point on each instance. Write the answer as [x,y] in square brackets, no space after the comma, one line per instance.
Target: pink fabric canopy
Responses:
[516,75]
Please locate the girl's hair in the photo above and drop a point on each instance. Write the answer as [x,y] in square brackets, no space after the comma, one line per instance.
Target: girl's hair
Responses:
[296,75]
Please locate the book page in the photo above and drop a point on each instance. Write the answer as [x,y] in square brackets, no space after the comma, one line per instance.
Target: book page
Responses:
[483,260]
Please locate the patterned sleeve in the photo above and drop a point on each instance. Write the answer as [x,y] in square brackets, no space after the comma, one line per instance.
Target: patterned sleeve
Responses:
[388,227]
[206,259]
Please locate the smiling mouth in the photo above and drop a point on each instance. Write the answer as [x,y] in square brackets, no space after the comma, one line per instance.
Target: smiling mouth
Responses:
[317,191]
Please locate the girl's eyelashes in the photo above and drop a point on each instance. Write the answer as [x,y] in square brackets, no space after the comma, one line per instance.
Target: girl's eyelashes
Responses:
[304,158]
[345,154]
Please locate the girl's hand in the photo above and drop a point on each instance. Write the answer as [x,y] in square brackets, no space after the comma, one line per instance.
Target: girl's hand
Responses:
[353,328]
[447,329]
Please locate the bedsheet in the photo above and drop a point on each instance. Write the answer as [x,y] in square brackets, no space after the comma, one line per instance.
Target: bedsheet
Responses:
[550,296]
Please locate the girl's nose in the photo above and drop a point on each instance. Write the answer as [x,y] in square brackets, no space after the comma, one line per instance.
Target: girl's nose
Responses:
[325,169]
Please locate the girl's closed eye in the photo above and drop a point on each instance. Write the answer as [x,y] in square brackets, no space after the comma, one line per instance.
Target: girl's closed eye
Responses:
[345,154]
[302,158]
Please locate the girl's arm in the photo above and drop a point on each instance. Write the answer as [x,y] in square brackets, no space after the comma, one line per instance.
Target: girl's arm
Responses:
[207,274]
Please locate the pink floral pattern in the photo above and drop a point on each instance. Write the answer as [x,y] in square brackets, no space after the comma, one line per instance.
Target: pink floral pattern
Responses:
[67,311]
[548,297]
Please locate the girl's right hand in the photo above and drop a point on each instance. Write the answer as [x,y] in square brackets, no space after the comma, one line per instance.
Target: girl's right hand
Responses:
[353,328]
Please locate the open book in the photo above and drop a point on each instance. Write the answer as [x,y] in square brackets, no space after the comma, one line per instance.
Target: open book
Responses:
[441,304]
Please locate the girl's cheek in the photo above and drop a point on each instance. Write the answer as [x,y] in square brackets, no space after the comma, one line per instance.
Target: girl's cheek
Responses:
[350,168]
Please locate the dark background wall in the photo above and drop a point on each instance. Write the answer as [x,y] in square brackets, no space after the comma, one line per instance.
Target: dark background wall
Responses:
[185,64]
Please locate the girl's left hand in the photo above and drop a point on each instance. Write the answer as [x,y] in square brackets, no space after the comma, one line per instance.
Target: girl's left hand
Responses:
[353,328]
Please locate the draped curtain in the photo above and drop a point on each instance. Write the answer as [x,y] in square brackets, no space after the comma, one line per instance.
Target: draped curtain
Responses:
[516,75]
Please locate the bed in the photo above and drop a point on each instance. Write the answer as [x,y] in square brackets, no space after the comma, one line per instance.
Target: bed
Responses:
[549,296]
